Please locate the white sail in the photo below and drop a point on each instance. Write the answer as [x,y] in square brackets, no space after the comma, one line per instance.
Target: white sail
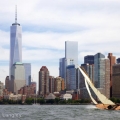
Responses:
[94,101]
[101,97]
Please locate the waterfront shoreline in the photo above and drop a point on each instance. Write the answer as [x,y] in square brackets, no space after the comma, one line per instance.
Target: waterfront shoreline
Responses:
[51,104]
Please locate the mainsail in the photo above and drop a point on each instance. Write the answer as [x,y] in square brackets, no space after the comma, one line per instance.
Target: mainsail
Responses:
[101,97]
[94,101]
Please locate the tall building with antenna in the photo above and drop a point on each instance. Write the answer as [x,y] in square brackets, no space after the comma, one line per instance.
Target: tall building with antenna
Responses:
[15,43]
[16,69]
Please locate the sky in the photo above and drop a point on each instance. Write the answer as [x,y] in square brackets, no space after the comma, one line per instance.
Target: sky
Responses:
[47,24]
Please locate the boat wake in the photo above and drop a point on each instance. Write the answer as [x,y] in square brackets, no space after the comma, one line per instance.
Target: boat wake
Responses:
[91,107]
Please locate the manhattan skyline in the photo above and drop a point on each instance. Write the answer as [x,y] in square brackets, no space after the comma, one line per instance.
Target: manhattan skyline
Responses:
[48,24]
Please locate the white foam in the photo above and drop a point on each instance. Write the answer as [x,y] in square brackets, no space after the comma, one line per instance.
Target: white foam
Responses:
[91,107]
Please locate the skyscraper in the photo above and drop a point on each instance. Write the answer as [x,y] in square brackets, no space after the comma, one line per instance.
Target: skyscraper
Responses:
[71,58]
[63,63]
[102,73]
[43,81]
[116,81]
[27,73]
[51,84]
[98,70]
[89,59]
[89,70]
[59,84]
[71,81]
[62,67]
[112,62]
[17,77]
[71,51]
[1,89]
[118,60]
[15,44]
[7,83]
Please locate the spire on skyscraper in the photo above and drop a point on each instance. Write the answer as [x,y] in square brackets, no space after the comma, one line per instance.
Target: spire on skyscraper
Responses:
[16,14]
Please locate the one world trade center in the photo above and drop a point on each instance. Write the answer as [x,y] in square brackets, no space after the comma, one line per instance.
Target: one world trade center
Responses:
[15,44]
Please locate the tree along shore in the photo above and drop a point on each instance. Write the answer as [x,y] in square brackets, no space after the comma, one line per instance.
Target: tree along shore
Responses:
[56,101]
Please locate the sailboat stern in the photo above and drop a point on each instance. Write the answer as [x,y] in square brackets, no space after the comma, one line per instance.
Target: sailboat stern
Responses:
[102,106]
[108,107]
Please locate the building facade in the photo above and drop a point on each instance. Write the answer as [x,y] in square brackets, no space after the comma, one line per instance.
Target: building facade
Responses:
[27,73]
[89,59]
[51,84]
[43,81]
[59,84]
[7,82]
[118,60]
[62,67]
[112,62]
[71,81]
[89,68]
[71,51]
[99,70]
[63,63]
[116,81]
[90,72]
[71,57]
[1,89]
[29,91]
[102,74]
[107,78]
[17,77]
[34,87]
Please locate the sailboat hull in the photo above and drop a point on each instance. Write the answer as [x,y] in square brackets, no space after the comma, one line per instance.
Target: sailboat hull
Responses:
[102,106]
[108,107]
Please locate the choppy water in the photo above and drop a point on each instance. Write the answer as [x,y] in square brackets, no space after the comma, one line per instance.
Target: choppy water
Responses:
[56,112]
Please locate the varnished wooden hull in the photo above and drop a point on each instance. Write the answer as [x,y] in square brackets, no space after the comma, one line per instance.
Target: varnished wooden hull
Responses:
[108,107]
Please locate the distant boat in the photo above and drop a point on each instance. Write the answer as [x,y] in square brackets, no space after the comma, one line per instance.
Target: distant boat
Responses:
[105,102]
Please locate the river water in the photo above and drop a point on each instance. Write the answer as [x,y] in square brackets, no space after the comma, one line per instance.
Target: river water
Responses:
[56,112]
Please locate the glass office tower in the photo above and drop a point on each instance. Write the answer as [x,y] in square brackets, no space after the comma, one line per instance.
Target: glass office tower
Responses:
[71,57]
[89,59]
[63,63]
[102,74]
[27,73]
[118,60]
[62,67]
[17,77]
[99,70]
[15,44]
[71,77]
[71,51]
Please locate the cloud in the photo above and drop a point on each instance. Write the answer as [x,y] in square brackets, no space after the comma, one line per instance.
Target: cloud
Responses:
[47,24]
[62,14]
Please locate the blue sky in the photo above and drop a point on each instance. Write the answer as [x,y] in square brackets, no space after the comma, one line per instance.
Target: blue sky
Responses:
[47,24]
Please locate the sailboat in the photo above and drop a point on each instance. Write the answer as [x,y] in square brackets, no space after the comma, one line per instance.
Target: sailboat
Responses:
[105,102]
